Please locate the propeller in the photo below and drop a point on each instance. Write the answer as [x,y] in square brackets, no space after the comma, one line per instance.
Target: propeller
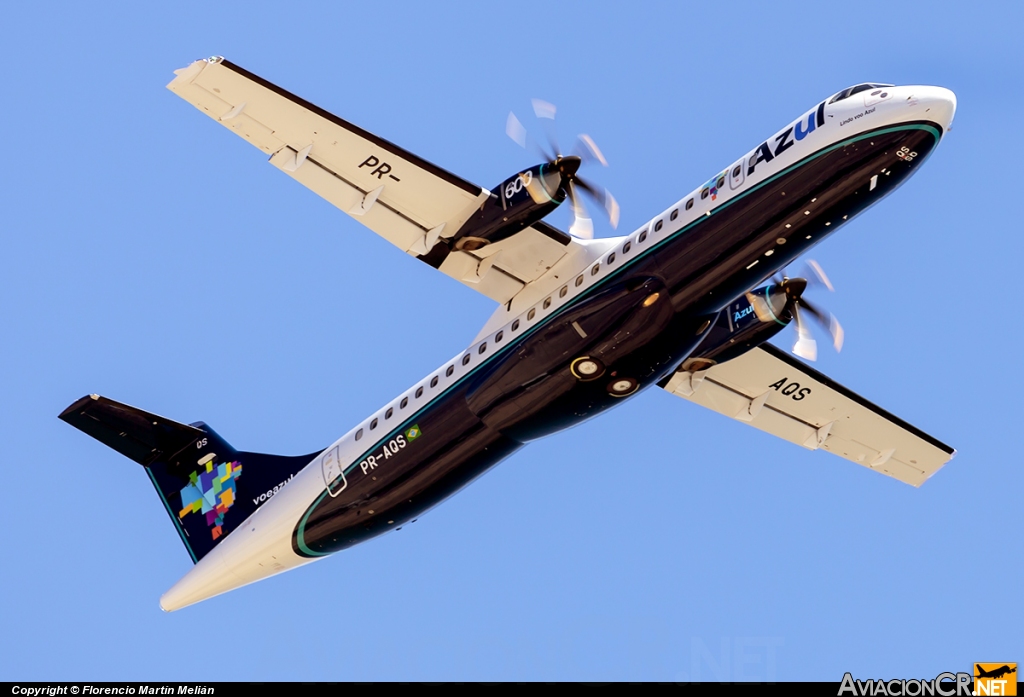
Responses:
[805,346]
[585,151]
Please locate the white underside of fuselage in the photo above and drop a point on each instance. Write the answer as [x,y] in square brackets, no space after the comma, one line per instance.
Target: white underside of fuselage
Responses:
[262,546]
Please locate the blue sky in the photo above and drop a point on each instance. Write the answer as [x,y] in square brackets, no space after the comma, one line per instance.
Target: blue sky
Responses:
[154,258]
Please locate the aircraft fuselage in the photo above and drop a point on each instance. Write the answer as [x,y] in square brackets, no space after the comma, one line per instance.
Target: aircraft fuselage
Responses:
[640,304]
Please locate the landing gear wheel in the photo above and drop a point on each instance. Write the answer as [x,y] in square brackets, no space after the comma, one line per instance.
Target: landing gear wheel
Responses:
[586,368]
[622,387]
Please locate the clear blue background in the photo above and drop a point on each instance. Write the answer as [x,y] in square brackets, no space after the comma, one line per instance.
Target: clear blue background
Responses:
[153,257]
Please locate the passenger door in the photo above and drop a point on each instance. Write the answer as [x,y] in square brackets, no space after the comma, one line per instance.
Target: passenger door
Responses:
[334,474]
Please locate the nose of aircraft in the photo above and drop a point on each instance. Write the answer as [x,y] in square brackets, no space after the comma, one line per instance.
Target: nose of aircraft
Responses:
[934,103]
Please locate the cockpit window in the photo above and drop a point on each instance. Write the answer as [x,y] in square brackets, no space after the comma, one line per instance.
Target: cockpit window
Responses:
[850,91]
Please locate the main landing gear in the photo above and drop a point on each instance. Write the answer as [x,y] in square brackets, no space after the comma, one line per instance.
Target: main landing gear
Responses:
[622,387]
[586,368]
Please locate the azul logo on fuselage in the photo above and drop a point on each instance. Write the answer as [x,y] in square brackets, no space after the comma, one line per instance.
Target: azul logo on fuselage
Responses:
[784,140]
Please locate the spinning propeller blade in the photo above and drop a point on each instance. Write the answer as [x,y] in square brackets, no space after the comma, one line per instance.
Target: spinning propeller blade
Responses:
[590,150]
[543,110]
[515,130]
[582,225]
[820,273]
[805,346]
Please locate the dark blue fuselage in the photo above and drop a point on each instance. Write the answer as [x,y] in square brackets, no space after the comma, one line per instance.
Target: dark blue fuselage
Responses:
[641,321]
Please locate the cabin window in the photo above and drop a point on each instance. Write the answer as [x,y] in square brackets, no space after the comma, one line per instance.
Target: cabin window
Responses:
[359,434]
[498,337]
[689,204]
[611,259]
[547,303]
[373,424]
[466,359]
[579,280]
[448,373]
[657,226]
[388,413]
[419,392]
[561,293]
[433,381]
[675,214]
[736,171]
[720,183]
[593,271]
[531,314]
[704,193]
[515,326]
[643,237]
[483,347]
[626,247]
[404,404]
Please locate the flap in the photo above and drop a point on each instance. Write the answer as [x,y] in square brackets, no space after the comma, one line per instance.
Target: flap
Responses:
[775,392]
[502,269]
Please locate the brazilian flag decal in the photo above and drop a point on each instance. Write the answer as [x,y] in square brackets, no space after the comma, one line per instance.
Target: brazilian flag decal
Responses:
[413,433]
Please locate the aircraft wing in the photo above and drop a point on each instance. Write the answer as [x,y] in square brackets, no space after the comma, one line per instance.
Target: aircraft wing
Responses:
[772,391]
[401,197]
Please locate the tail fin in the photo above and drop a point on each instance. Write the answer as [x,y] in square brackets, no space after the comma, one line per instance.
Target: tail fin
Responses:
[207,487]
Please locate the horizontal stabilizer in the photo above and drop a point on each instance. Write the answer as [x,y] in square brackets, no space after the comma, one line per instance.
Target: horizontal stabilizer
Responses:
[138,435]
[206,486]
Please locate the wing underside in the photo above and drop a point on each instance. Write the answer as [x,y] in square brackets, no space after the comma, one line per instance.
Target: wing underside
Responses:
[410,202]
[781,395]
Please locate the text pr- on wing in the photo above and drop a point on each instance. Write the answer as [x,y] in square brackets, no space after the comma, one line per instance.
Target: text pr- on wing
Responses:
[403,198]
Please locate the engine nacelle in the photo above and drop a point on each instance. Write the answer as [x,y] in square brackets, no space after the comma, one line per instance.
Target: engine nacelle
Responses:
[516,203]
[744,324]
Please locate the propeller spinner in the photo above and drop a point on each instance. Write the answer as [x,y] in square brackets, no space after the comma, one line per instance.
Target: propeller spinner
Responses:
[568,166]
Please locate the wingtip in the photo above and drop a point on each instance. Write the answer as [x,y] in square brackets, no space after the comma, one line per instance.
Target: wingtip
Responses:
[76,405]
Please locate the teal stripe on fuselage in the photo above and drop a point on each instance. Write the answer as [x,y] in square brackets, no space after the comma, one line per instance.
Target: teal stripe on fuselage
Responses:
[585,294]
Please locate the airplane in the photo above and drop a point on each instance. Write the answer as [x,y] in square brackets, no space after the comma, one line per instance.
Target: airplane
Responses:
[686,302]
[995,672]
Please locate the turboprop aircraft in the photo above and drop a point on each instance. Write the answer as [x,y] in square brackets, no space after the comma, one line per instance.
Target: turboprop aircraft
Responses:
[685,302]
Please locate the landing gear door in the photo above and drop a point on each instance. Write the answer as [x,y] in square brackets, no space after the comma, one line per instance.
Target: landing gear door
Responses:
[334,475]
[737,175]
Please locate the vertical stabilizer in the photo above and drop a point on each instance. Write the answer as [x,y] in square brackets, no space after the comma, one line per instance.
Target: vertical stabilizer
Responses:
[207,487]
